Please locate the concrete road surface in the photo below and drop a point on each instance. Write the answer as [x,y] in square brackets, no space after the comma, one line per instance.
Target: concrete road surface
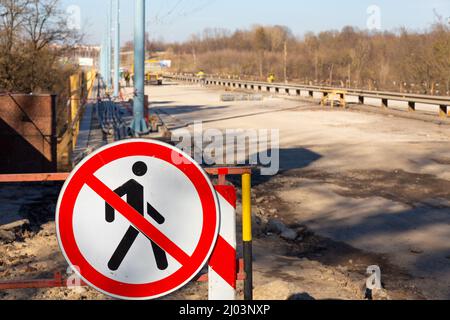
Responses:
[376,182]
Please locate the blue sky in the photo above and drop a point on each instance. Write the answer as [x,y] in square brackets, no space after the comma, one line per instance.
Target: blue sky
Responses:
[176,20]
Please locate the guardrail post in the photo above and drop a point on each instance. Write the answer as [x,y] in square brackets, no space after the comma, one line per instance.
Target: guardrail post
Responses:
[384,103]
[342,100]
[443,111]
[298,92]
[361,99]
[325,99]
[411,106]
[311,93]
[247,235]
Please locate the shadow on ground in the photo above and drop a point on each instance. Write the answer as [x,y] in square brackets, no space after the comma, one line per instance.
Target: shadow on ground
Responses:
[33,201]
[174,110]
[397,220]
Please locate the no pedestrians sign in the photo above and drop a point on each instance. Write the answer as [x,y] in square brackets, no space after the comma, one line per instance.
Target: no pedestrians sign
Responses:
[137,219]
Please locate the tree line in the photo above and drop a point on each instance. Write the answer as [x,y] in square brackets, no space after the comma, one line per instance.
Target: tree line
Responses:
[403,60]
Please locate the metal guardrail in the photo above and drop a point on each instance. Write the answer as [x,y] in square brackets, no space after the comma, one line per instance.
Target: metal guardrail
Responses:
[110,119]
[412,99]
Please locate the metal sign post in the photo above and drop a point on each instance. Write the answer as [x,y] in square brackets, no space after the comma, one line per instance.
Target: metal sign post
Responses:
[247,234]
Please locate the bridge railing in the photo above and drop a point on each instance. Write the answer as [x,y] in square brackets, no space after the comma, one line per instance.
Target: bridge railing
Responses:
[443,102]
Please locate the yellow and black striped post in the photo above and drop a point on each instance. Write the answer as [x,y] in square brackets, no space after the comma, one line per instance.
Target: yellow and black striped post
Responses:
[247,234]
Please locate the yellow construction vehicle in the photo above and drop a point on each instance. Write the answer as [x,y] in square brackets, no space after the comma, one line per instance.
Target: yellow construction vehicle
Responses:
[271,78]
[334,96]
[201,75]
[153,72]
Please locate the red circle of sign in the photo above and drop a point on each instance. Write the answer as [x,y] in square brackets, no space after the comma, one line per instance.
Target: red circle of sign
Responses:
[115,288]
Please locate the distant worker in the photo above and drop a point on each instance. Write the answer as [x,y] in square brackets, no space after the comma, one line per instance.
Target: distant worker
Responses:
[127,77]
[202,76]
[271,78]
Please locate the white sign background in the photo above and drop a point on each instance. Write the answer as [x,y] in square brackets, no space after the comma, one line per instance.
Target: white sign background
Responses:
[168,190]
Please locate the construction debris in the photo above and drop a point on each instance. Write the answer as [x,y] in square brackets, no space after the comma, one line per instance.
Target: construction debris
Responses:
[7,236]
[289,235]
[16,226]
[241,97]
[276,226]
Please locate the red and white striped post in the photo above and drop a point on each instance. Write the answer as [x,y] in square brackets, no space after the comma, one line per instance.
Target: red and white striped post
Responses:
[223,264]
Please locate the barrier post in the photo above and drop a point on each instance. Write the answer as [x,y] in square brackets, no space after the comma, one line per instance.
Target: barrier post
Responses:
[247,235]
[222,271]
[75,98]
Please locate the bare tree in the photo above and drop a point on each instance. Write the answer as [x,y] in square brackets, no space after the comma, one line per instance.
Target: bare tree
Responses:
[13,16]
[261,43]
[34,35]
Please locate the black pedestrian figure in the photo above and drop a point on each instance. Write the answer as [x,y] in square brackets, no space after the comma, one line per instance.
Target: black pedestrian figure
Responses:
[135,198]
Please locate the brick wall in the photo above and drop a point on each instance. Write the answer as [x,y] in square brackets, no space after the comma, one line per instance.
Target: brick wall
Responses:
[28,142]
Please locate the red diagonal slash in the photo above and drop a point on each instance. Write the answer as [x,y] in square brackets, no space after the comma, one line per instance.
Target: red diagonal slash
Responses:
[137,220]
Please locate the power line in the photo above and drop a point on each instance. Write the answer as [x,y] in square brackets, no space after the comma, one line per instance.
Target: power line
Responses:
[172,10]
[186,10]
[199,8]
[183,14]
[159,18]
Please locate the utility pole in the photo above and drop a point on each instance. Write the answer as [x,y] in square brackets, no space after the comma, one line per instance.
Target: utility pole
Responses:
[109,47]
[194,55]
[285,61]
[103,66]
[139,125]
[102,60]
[117,50]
